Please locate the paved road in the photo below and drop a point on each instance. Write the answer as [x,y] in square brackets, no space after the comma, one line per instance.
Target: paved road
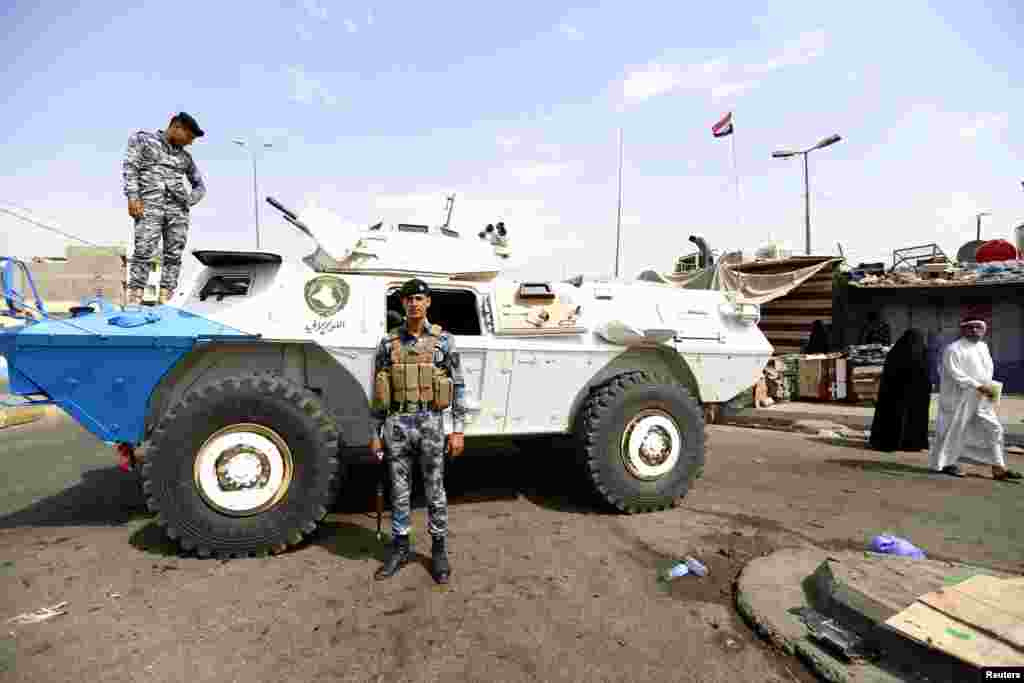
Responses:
[545,586]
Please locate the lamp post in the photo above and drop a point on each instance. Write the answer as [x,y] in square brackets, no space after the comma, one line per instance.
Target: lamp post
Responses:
[255,194]
[978,216]
[830,140]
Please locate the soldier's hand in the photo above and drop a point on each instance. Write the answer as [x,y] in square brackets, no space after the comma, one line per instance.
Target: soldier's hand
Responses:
[135,208]
[377,448]
[456,444]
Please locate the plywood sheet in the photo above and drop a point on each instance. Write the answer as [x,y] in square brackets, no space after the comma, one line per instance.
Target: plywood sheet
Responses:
[990,604]
[932,628]
[1008,596]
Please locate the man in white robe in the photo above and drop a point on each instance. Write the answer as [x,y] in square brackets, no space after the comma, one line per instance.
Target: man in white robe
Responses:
[967,426]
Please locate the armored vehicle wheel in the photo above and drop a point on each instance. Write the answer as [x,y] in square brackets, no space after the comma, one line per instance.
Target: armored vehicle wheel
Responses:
[242,466]
[641,442]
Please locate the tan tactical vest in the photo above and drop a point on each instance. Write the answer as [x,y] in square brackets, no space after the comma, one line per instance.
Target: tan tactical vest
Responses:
[413,382]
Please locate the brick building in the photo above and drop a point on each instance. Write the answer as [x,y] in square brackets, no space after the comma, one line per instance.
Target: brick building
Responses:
[83,272]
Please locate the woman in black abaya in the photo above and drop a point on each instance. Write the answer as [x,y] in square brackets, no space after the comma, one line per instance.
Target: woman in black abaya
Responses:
[904,396]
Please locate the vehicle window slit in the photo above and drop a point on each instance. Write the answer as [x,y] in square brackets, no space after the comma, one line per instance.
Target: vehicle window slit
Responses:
[221,286]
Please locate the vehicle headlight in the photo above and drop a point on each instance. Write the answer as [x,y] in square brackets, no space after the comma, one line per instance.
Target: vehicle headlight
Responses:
[744,312]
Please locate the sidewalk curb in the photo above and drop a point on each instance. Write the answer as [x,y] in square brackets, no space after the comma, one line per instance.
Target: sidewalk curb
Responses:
[769,586]
[788,421]
[785,631]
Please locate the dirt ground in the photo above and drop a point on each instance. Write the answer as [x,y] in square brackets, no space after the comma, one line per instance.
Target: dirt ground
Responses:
[545,586]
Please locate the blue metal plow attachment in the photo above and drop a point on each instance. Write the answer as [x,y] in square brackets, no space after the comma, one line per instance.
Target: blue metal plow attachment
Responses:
[102,367]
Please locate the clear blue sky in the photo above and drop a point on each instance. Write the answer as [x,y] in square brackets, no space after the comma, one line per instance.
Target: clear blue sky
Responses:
[376,111]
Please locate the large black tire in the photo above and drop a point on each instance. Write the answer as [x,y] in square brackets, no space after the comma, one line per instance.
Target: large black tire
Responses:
[294,416]
[606,414]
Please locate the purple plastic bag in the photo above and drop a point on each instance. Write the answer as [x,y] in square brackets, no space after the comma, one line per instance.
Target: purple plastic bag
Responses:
[894,545]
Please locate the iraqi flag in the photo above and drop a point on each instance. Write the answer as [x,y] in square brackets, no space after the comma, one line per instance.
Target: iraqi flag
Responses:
[723,127]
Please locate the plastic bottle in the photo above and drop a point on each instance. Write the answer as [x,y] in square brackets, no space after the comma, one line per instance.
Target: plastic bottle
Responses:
[675,572]
[696,567]
[894,545]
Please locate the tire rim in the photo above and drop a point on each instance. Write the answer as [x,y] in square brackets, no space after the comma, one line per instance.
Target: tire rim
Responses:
[243,469]
[651,444]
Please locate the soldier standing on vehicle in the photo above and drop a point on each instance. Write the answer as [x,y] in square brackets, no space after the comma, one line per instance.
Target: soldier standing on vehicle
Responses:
[154,168]
[417,375]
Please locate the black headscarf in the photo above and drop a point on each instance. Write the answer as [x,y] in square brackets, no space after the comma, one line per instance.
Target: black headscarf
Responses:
[819,341]
[907,360]
[901,412]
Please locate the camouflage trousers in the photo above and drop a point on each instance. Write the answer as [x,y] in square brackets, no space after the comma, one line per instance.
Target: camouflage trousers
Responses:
[407,436]
[160,219]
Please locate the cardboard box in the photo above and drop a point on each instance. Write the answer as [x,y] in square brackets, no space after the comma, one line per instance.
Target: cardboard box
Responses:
[823,377]
[865,381]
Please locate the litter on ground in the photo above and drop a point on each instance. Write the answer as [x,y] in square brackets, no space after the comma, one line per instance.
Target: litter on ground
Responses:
[41,614]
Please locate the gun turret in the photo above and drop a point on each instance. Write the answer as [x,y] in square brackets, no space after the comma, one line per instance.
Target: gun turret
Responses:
[290,216]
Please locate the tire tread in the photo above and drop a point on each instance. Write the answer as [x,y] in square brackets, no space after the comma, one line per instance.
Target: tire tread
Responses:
[304,517]
[596,411]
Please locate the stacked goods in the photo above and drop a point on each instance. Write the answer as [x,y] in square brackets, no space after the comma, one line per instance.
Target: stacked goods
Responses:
[992,271]
[996,250]
[866,364]
[932,275]
[791,376]
[867,354]
[779,381]
[864,382]
[935,271]
[823,377]
[774,380]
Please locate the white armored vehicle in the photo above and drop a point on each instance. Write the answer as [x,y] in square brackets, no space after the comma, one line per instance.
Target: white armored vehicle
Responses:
[241,399]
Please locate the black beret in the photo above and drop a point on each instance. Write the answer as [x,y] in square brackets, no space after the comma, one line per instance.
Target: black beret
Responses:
[415,286]
[190,123]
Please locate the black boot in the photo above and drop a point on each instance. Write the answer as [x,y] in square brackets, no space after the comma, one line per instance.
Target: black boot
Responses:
[440,569]
[398,558]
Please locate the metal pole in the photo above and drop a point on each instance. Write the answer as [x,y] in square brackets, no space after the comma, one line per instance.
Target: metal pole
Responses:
[255,197]
[618,217]
[807,208]
[979,227]
[736,177]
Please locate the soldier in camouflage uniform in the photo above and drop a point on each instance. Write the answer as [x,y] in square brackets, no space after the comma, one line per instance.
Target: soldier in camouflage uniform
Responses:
[417,374]
[154,168]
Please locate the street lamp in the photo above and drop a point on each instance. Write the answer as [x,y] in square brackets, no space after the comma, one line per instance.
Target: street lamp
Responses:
[978,216]
[830,140]
[255,194]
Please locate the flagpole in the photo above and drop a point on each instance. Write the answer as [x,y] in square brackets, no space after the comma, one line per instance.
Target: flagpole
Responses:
[618,216]
[736,174]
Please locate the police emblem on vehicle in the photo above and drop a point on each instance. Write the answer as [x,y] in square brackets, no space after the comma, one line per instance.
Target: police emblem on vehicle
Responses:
[326,295]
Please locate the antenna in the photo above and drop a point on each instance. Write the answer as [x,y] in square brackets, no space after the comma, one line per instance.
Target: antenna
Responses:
[449,205]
